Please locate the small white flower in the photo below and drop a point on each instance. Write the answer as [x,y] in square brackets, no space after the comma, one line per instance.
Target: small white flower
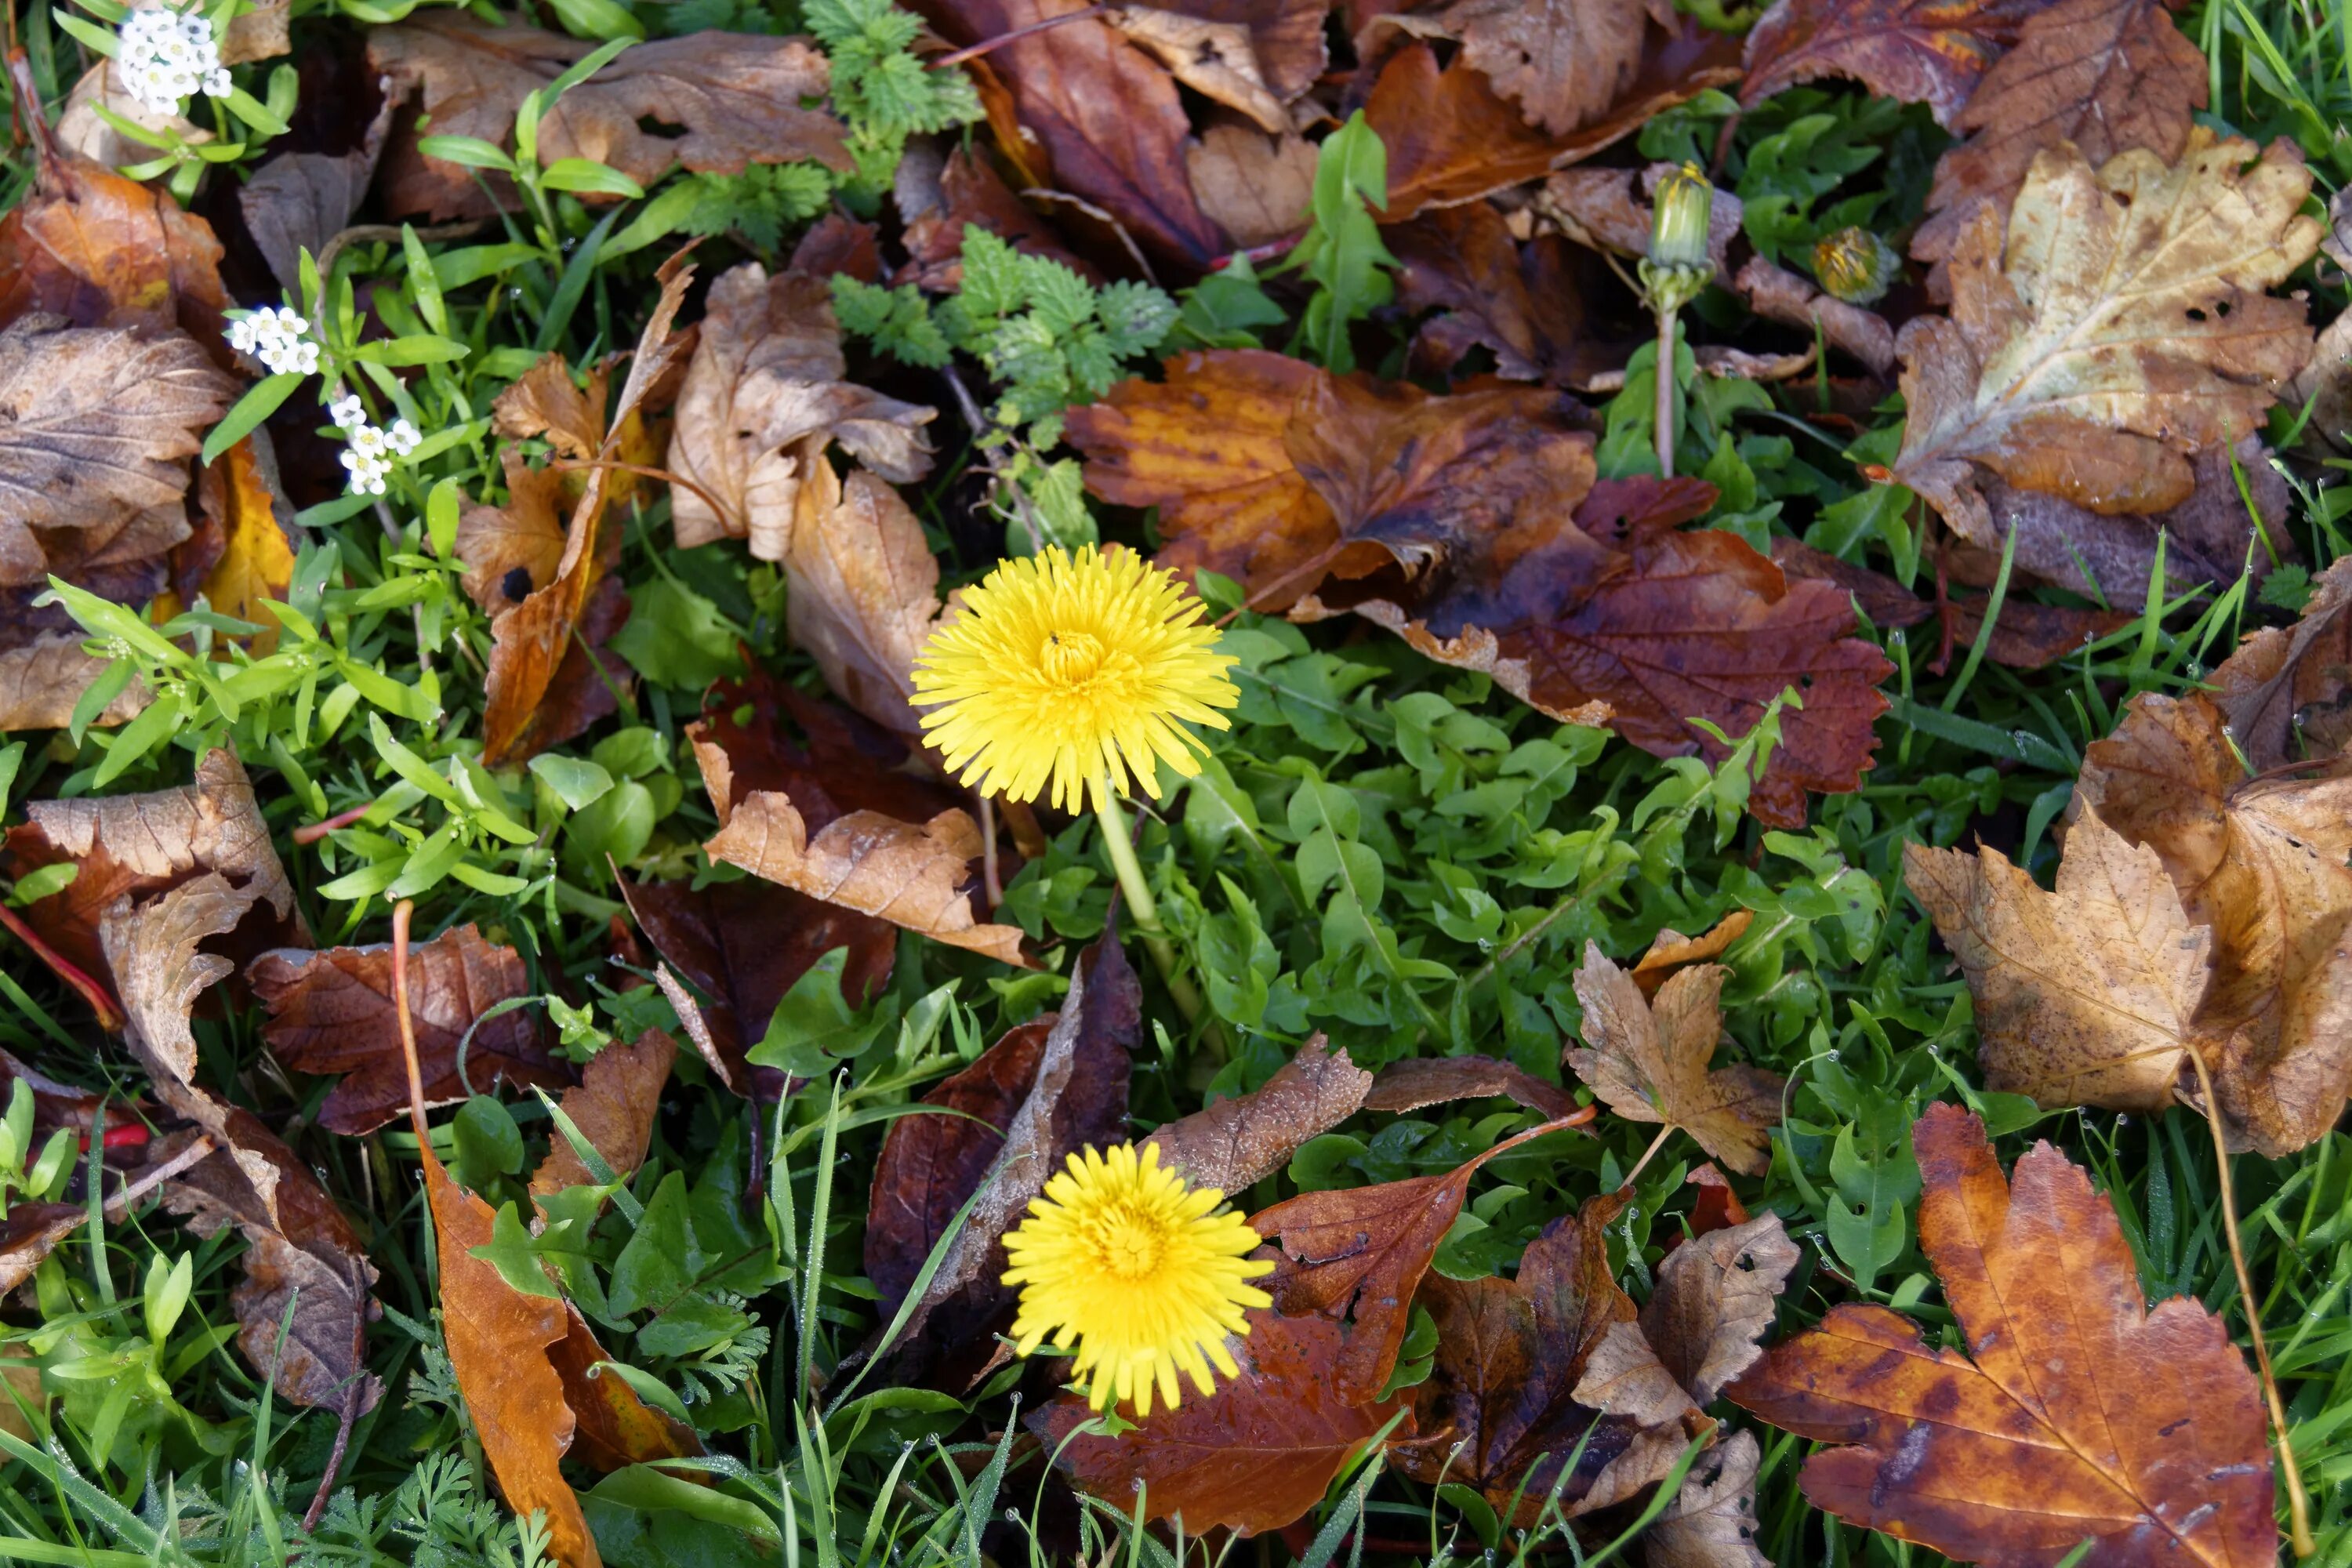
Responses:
[217,85]
[346,412]
[163,57]
[402,437]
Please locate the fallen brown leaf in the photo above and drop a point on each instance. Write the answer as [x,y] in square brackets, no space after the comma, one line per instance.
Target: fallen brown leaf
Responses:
[2262,864]
[2085,995]
[1611,210]
[2079,1412]
[864,593]
[1233,1144]
[1255,186]
[1647,1062]
[248,517]
[1212,57]
[510,551]
[743,943]
[1108,122]
[95,429]
[736,96]
[1921,51]
[966,190]
[1564,65]
[547,680]
[1357,1254]
[1715,1296]
[618,1096]
[1711,1523]
[501,1341]
[2122,327]
[763,398]
[615,1427]
[30,1233]
[1670,951]
[334,1012]
[1417,1081]
[299,201]
[2107,75]
[2283,689]
[2026,636]
[1252,1457]
[1519,302]
[42,681]
[1780,295]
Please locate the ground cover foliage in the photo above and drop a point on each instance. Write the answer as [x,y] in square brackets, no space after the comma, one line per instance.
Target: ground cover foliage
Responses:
[1752,949]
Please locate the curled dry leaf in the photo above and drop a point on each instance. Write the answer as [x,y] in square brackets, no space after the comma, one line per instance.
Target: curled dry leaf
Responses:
[744,943]
[1212,57]
[1711,1523]
[2106,76]
[1715,1296]
[1647,1062]
[2285,690]
[548,678]
[613,1106]
[2077,1411]
[736,96]
[1417,1081]
[762,400]
[1521,304]
[864,593]
[1252,1457]
[2122,328]
[95,429]
[30,1233]
[1076,1098]
[334,1012]
[1358,1254]
[1670,951]
[1920,51]
[1105,117]
[1233,1144]
[2087,995]
[2262,864]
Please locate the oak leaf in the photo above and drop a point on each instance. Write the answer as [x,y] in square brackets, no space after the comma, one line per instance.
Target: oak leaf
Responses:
[2085,995]
[97,426]
[2262,865]
[2122,327]
[1358,1254]
[1252,1457]
[1920,51]
[2107,75]
[613,1106]
[1647,1061]
[762,400]
[333,1011]
[737,97]
[743,943]
[548,680]
[1234,1143]
[2076,1411]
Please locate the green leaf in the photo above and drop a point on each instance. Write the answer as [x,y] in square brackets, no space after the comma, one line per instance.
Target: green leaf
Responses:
[260,400]
[515,1253]
[585,174]
[676,637]
[815,1029]
[488,1142]
[576,783]
[468,151]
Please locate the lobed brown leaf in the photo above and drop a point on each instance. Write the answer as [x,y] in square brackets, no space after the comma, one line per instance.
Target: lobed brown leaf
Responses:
[1647,1062]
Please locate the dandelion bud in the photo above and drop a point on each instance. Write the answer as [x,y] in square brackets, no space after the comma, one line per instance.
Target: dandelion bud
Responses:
[1855,265]
[1678,266]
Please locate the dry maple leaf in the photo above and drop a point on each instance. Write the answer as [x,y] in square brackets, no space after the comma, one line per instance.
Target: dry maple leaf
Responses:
[1920,51]
[2122,327]
[1647,1062]
[1712,1523]
[97,426]
[501,1340]
[2107,75]
[1104,118]
[762,400]
[334,1012]
[1715,1296]
[2087,995]
[546,683]
[737,97]
[1234,1143]
[1252,1457]
[2262,864]
[1359,1253]
[618,1096]
[2077,1411]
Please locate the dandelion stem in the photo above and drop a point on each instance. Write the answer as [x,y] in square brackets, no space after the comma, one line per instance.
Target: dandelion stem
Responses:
[1145,912]
[1664,436]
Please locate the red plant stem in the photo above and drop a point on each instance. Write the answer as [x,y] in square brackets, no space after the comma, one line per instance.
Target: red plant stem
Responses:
[102,1000]
[311,831]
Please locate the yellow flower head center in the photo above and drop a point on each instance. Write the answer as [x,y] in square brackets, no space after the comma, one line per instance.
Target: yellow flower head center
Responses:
[1127,1241]
[1073,659]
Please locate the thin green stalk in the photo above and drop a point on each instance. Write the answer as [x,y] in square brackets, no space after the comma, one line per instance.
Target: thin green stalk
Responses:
[1144,911]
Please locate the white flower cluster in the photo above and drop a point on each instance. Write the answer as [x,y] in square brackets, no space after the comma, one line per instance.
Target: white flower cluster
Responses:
[369,456]
[277,337]
[165,56]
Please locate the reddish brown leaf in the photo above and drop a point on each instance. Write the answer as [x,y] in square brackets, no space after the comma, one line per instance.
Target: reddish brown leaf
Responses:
[1670,949]
[1921,51]
[544,683]
[743,943]
[737,96]
[968,190]
[613,1106]
[1233,1144]
[1649,1060]
[1359,1253]
[1253,1456]
[2026,636]
[334,1012]
[1520,303]
[1716,1207]
[2106,76]
[1105,114]
[1451,139]
[1417,1081]
[2077,1412]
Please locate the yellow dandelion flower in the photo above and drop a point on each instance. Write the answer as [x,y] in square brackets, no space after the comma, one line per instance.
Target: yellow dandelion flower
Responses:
[1139,1270]
[1062,674]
